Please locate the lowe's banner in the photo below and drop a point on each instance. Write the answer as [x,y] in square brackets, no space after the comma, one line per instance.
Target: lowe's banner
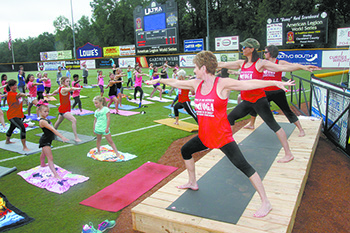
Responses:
[89,51]
[303,57]
[195,45]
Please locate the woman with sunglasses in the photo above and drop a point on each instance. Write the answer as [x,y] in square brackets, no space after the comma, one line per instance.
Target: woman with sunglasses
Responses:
[252,68]
[275,94]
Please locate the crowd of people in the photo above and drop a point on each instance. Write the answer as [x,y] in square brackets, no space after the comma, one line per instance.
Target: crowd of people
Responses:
[259,82]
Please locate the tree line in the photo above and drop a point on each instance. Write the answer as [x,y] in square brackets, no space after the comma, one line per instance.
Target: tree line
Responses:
[111,23]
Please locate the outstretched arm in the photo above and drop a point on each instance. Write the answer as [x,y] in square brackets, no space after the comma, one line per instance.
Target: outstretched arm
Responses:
[182,84]
[285,66]
[233,65]
[45,124]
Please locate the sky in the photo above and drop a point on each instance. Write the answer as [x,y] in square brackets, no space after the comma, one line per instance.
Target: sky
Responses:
[30,18]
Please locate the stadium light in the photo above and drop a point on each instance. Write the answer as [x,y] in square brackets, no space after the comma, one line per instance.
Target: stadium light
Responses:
[71,7]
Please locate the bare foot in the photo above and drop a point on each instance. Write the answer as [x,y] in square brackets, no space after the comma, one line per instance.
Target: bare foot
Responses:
[248,126]
[9,142]
[77,140]
[301,133]
[263,211]
[58,177]
[43,164]
[176,123]
[26,149]
[286,159]
[188,186]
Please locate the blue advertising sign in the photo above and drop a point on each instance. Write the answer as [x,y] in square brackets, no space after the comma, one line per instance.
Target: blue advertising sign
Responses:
[89,51]
[303,57]
[195,45]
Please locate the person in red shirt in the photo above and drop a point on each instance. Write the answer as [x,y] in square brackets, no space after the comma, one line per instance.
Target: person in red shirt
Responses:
[183,100]
[15,112]
[252,68]
[211,99]
[65,105]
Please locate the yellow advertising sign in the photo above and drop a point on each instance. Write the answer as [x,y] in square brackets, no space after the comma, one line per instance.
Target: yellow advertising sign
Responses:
[111,51]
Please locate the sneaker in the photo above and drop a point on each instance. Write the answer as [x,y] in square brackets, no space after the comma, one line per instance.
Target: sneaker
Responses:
[140,105]
[171,115]
[26,120]
[31,124]
[275,112]
[106,225]
[89,229]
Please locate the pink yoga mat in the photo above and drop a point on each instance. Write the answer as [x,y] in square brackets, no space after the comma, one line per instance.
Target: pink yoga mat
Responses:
[123,112]
[127,189]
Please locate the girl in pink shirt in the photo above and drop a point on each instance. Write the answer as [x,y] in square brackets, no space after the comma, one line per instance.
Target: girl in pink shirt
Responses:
[47,83]
[100,82]
[31,86]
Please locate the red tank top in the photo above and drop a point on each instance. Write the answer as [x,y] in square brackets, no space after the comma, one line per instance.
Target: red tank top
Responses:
[249,74]
[15,106]
[183,95]
[275,76]
[214,128]
[64,102]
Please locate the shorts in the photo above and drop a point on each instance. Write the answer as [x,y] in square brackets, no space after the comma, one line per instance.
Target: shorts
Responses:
[112,96]
[103,133]
[31,99]
[101,88]
[118,91]
[62,114]
[156,85]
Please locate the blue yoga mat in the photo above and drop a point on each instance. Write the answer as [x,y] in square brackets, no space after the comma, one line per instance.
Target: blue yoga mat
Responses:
[182,110]
[125,107]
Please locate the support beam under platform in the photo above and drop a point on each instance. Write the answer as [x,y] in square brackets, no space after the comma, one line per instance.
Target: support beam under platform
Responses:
[284,184]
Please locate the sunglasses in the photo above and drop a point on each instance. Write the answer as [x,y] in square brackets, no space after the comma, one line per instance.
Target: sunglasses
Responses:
[266,51]
[244,47]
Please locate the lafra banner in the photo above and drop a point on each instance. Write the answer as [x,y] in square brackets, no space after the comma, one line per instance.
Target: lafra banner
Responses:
[89,51]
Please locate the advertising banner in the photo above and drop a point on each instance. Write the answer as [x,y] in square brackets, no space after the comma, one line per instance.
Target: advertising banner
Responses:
[111,51]
[343,37]
[336,59]
[195,45]
[125,62]
[55,55]
[302,29]
[127,50]
[73,64]
[45,66]
[186,61]
[64,55]
[89,51]
[90,64]
[303,57]
[159,61]
[106,63]
[225,57]
[227,43]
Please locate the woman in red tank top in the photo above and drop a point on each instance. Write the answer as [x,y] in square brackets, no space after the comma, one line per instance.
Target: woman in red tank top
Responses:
[214,128]
[65,105]
[252,68]
[274,93]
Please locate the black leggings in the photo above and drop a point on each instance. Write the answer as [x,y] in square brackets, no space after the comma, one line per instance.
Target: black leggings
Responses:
[261,107]
[187,106]
[279,97]
[85,80]
[77,101]
[47,89]
[16,123]
[129,81]
[231,150]
[40,95]
[138,89]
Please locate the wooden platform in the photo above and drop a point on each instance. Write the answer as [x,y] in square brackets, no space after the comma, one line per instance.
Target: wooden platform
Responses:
[284,184]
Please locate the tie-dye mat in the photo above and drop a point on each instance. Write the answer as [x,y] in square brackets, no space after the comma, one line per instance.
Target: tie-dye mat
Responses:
[10,216]
[84,112]
[16,131]
[42,177]
[108,155]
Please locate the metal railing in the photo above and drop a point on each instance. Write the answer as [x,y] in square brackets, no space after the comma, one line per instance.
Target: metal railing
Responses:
[330,102]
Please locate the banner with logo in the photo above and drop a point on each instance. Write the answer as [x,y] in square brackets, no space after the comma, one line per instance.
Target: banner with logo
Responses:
[225,57]
[45,66]
[64,55]
[106,63]
[343,37]
[89,51]
[125,62]
[195,45]
[90,64]
[159,61]
[303,57]
[112,51]
[227,43]
[336,59]
[127,50]
[186,61]
[55,55]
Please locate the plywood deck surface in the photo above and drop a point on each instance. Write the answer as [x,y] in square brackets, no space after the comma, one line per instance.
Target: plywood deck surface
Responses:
[284,185]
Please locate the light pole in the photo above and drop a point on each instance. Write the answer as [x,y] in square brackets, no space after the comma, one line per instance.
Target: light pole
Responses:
[71,7]
[207,26]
